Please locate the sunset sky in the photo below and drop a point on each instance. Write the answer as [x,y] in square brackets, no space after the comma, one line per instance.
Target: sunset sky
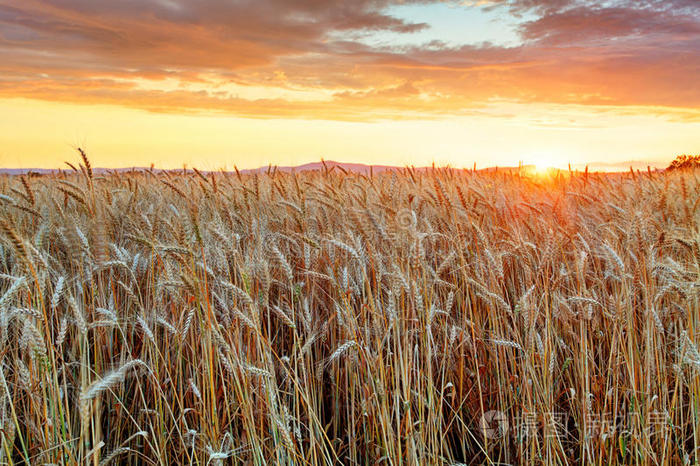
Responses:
[213,83]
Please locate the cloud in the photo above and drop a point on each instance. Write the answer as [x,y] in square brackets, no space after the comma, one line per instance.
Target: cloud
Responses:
[585,24]
[217,56]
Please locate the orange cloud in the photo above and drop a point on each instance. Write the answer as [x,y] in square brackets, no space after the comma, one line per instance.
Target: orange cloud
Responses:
[211,55]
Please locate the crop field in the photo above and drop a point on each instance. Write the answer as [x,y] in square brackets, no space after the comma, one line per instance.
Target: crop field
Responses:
[405,317]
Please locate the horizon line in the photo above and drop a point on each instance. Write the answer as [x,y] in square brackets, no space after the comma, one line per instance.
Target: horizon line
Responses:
[609,167]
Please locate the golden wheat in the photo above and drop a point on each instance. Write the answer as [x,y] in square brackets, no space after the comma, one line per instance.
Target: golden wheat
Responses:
[338,318]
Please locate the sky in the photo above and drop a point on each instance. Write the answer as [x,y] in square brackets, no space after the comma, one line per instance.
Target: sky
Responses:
[218,83]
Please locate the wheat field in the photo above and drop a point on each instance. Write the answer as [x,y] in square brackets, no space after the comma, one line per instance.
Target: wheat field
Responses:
[405,317]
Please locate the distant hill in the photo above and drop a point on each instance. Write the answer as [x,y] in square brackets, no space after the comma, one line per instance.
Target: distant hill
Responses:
[351,167]
[22,171]
[330,164]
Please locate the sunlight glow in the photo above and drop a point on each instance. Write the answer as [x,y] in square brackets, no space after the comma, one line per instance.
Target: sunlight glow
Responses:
[544,163]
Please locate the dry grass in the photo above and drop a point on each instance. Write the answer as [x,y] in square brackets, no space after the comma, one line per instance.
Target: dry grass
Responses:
[326,318]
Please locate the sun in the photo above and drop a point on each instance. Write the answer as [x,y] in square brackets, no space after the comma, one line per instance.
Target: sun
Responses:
[542,168]
[543,163]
